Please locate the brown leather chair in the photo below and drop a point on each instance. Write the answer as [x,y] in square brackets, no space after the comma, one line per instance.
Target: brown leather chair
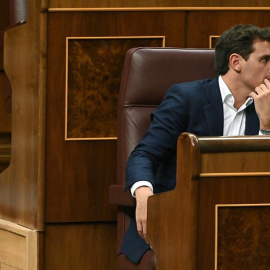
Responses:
[147,75]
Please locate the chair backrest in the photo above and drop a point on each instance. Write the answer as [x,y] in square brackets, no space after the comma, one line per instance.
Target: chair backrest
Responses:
[147,75]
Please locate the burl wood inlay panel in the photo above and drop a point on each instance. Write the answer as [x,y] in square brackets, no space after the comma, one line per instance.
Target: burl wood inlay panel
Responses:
[94,67]
[243,238]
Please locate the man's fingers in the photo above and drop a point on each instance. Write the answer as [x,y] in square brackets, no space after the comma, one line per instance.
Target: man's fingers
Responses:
[261,97]
[141,221]
[267,83]
[145,231]
[142,195]
[260,89]
[140,228]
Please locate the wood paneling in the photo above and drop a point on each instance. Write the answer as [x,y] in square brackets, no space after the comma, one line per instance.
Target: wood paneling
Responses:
[196,199]
[215,22]
[156,3]
[230,190]
[212,163]
[80,246]
[21,185]
[79,173]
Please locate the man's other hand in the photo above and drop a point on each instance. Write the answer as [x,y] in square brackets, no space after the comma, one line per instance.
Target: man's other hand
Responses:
[142,194]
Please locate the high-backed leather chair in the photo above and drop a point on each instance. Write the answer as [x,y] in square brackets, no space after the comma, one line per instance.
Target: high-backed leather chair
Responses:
[147,75]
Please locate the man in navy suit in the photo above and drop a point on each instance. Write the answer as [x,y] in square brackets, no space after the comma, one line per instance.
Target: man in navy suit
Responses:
[237,102]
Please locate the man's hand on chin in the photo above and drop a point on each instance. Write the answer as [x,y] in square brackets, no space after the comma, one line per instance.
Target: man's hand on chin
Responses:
[261,98]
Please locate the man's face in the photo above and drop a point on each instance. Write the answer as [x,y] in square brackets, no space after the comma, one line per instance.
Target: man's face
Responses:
[257,67]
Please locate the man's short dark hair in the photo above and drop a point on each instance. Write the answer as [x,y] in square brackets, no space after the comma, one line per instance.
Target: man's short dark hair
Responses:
[238,39]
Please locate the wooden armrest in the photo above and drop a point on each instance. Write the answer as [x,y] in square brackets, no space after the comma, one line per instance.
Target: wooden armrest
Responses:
[234,144]
[118,196]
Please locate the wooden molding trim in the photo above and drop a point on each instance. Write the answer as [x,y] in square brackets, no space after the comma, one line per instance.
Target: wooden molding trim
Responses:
[236,174]
[160,9]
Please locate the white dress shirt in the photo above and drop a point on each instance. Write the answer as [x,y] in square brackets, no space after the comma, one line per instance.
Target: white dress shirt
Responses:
[234,121]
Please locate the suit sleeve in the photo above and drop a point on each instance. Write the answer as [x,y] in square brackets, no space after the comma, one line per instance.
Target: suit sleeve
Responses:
[169,120]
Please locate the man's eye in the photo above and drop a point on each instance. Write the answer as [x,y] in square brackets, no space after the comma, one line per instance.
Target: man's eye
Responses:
[265,60]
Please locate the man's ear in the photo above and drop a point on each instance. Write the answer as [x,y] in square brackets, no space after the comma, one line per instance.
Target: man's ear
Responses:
[235,62]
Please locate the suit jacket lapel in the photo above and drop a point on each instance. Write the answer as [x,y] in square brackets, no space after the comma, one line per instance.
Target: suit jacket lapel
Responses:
[252,121]
[214,110]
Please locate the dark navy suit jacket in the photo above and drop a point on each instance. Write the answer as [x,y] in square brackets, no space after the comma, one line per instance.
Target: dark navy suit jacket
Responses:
[194,107]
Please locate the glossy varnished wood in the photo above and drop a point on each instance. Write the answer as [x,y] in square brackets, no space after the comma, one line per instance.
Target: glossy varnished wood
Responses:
[185,238]
[234,144]
[79,173]
[225,190]
[173,216]
[80,246]
[21,185]
[216,22]
[153,3]
[249,154]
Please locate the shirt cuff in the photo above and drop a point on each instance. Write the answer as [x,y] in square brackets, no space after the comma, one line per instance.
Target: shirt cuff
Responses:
[140,184]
